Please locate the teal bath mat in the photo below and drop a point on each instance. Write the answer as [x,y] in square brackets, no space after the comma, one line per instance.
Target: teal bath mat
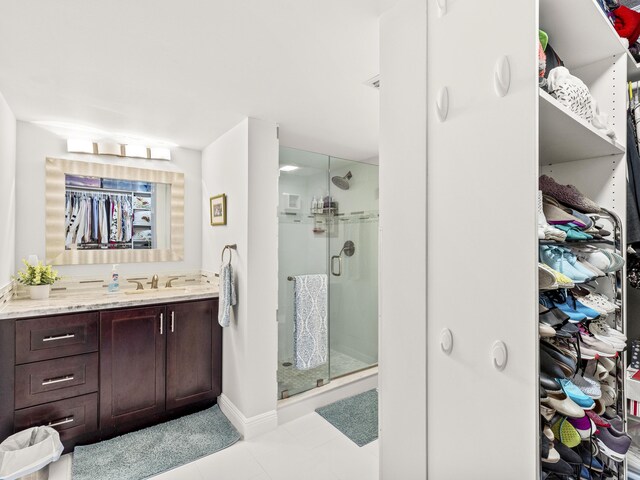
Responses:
[356,417]
[156,449]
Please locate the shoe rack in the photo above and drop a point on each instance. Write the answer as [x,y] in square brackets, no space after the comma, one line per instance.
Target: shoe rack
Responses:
[600,170]
[491,134]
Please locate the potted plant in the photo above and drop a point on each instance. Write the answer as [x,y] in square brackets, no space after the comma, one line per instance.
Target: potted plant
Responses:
[38,278]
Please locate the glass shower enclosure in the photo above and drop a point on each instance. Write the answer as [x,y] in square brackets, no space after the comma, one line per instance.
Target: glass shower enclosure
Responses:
[328,228]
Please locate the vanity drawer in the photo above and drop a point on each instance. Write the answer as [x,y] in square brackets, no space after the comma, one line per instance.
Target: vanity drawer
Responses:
[72,417]
[52,380]
[53,337]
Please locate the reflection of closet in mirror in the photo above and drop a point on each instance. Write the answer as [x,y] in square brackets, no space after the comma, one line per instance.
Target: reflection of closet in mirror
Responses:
[105,213]
[166,212]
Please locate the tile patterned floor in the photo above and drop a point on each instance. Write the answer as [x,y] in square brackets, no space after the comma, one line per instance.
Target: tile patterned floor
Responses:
[309,448]
[296,381]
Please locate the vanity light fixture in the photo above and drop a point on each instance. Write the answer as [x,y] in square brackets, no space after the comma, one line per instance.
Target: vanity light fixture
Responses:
[76,145]
[160,153]
[137,151]
[105,148]
[79,145]
[288,168]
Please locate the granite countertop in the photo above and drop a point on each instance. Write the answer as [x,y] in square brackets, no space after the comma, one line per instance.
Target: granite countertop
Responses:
[99,300]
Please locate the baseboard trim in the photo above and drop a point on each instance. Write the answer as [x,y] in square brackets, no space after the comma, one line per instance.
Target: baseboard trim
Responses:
[248,427]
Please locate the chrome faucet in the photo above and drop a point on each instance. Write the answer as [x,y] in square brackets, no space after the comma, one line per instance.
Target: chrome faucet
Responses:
[154,281]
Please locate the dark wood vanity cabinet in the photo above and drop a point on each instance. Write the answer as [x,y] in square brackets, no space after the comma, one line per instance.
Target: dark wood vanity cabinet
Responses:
[92,375]
[194,354]
[132,365]
[158,359]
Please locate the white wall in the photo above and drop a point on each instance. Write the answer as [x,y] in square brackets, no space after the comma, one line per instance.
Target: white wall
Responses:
[35,143]
[243,163]
[7,192]
[403,217]
[262,343]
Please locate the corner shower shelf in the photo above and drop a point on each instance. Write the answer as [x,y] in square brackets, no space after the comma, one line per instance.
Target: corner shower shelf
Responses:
[326,211]
[565,137]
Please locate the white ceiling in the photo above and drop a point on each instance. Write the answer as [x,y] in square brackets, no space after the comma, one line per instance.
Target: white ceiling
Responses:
[185,71]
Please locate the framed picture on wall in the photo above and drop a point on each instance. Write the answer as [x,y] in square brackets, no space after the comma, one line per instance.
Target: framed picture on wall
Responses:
[218,210]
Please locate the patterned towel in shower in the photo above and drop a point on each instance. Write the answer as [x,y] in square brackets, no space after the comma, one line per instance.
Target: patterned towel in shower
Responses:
[311,337]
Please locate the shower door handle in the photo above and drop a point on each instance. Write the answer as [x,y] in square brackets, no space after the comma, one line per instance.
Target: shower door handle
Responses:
[333,264]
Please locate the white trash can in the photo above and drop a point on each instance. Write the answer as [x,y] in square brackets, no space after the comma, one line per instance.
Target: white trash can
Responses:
[42,474]
[26,455]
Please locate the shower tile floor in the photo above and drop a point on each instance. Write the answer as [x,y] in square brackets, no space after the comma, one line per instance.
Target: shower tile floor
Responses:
[296,381]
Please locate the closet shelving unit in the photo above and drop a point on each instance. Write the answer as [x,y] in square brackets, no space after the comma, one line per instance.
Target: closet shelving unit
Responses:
[572,151]
[133,244]
[143,244]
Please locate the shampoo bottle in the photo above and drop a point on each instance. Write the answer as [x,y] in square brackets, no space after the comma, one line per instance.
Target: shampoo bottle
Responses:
[114,284]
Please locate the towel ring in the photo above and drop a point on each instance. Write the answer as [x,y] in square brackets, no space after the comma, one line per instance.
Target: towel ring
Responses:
[228,247]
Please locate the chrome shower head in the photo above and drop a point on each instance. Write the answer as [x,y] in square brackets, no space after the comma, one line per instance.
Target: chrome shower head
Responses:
[342,182]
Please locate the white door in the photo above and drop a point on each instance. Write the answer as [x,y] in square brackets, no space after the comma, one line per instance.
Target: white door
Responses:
[481,238]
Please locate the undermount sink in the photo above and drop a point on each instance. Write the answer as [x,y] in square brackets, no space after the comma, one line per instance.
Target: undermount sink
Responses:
[155,290]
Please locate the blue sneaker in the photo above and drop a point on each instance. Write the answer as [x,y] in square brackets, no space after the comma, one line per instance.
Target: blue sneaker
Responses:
[570,257]
[584,473]
[590,313]
[575,394]
[559,300]
[554,257]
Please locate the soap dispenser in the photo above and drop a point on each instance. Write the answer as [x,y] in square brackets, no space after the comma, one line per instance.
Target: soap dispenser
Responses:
[114,284]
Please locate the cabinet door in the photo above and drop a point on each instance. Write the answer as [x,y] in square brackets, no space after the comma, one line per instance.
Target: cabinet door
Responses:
[194,353]
[132,365]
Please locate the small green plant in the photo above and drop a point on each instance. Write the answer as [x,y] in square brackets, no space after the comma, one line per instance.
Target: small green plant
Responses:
[37,274]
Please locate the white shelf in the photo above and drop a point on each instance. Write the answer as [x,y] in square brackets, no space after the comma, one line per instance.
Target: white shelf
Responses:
[565,137]
[579,31]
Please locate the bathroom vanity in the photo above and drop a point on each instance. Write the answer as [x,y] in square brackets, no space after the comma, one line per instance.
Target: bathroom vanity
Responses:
[105,371]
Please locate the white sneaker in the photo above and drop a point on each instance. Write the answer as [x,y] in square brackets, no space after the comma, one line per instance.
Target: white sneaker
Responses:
[605,333]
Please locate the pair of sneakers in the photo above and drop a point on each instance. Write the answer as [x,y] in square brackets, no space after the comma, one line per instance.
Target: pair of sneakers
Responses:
[592,347]
[603,259]
[569,305]
[601,330]
[596,301]
[563,260]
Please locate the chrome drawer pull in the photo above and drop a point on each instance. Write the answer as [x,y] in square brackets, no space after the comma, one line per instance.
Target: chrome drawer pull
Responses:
[59,337]
[66,378]
[60,422]
[173,320]
[161,320]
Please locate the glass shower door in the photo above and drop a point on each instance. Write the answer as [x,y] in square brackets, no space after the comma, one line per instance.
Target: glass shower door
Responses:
[302,250]
[328,228]
[353,276]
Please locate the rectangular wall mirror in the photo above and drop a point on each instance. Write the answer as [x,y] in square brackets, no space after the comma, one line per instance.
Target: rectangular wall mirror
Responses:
[100,213]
